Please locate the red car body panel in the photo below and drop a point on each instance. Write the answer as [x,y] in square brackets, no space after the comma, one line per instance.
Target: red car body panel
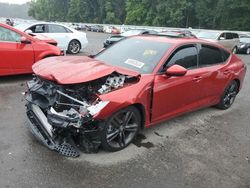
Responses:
[159,97]
[18,58]
[44,38]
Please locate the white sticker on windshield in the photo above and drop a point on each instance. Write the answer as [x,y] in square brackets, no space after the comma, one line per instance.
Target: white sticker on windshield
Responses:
[134,63]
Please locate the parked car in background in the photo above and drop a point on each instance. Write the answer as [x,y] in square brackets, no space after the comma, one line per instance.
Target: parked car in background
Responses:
[115,38]
[111,29]
[229,40]
[19,51]
[244,46]
[83,27]
[97,28]
[9,21]
[67,38]
[178,34]
[136,83]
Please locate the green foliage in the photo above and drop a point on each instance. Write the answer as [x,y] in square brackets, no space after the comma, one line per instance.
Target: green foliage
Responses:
[211,14]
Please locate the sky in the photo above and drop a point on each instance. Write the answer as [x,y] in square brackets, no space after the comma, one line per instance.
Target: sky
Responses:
[14,1]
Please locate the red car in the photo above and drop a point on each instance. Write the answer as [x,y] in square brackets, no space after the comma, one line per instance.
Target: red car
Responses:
[141,81]
[19,51]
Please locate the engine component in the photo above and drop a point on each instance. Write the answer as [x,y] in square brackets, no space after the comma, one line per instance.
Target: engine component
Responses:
[113,82]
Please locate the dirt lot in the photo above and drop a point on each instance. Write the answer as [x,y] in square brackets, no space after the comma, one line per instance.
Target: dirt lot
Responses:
[208,148]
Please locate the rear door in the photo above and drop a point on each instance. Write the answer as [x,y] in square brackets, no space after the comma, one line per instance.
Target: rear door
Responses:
[61,34]
[224,40]
[212,61]
[15,56]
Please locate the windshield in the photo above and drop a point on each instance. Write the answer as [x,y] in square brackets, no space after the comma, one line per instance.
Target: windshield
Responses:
[245,39]
[141,55]
[208,35]
[131,33]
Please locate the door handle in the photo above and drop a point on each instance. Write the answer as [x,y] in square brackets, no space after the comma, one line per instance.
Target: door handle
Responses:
[197,78]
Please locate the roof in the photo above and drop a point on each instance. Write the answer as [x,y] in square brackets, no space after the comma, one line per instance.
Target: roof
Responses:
[178,41]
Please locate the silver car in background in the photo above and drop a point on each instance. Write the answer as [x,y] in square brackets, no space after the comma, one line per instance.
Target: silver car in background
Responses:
[229,40]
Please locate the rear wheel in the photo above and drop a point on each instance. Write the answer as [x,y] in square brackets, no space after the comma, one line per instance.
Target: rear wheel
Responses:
[228,96]
[74,47]
[121,129]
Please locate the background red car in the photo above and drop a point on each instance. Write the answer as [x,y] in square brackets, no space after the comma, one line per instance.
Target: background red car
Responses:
[136,83]
[19,51]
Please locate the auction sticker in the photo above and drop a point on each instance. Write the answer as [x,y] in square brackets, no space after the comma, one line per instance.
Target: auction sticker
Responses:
[134,63]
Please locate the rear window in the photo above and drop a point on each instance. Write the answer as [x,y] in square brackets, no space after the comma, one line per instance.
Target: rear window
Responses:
[209,55]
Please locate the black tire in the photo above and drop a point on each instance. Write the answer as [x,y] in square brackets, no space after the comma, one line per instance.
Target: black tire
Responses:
[235,50]
[121,129]
[74,47]
[228,96]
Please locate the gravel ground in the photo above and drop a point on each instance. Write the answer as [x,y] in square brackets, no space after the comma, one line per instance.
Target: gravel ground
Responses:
[207,148]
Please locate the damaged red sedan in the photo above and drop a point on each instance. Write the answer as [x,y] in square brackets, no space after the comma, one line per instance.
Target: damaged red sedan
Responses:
[105,100]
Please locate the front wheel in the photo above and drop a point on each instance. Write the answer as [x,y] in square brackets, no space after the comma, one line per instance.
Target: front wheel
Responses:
[228,96]
[121,129]
[74,47]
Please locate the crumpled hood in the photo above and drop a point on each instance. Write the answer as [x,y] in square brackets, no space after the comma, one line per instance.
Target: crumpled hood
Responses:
[77,69]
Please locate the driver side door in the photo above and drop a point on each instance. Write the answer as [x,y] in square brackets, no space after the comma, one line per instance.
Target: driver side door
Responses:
[177,94]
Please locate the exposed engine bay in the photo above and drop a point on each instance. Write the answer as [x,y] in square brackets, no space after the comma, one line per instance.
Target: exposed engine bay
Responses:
[62,116]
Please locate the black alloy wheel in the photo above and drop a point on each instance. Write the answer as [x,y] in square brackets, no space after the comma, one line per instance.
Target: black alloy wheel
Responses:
[229,96]
[121,129]
[74,47]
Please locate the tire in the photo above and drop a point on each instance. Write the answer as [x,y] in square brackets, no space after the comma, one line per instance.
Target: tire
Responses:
[74,47]
[248,51]
[235,50]
[121,129]
[228,96]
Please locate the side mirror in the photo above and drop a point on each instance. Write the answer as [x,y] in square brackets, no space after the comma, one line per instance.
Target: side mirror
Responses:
[28,31]
[222,38]
[24,40]
[176,70]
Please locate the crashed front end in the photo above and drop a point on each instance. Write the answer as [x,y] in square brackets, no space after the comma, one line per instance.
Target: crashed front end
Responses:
[62,116]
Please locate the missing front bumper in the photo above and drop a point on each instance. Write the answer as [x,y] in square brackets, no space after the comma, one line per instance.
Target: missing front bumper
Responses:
[42,130]
[67,141]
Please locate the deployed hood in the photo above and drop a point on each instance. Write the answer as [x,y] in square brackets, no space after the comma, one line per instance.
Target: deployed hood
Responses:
[73,70]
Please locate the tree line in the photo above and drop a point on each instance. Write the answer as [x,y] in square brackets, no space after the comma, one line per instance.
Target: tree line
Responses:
[209,14]
[14,11]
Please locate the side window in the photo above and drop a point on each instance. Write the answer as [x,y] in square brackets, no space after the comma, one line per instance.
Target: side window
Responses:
[185,57]
[229,36]
[38,28]
[235,36]
[223,35]
[57,29]
[209,55]
[7,35]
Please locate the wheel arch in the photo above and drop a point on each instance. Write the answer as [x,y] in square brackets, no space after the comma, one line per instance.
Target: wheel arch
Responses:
[238,83]
[142,111]
[75,40]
